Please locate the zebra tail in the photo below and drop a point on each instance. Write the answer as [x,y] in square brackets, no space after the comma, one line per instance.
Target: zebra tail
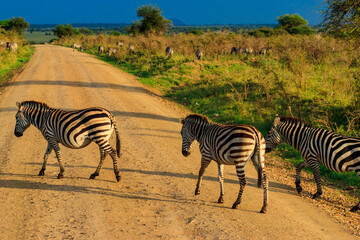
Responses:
[118,145]
[257,162]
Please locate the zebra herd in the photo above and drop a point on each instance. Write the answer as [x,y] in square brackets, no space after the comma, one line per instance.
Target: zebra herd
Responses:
[225,144]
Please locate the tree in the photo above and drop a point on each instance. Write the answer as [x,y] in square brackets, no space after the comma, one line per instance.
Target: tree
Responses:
[86,31]
[65,31]
[152,21]
[294,24]
[342,17]
[15,24]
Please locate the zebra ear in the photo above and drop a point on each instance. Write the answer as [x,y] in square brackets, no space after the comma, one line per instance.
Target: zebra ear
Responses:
[276,120]
[182,121]
[18,105]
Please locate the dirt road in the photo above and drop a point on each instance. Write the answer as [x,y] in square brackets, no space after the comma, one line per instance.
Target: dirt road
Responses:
[155,198]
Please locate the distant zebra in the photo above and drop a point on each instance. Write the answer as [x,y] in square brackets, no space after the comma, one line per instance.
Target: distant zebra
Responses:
[262,51]
[120,44]
[234,50]
[336,152]
[248,50]
[73,129]
[112,52]
[101,49]
[131,48]
[199,54]
[230,145]
[76,46]
[169,51]
[12,46]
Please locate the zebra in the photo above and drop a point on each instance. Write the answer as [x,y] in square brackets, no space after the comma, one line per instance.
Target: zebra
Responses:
[199,54]
[234,50]
[248,50]
[120,44]
[262,51]
[76,46]
[73,129]
[229,145]
[169,51]
[101,49]
[131,48]
[112,52]
[336,152]
[12,46]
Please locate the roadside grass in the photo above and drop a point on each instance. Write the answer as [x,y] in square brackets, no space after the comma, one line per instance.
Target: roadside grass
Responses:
[318,77]
[11,62]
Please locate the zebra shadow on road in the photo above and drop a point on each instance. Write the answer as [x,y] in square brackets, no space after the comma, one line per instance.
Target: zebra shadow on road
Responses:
[252,182]
[37,184]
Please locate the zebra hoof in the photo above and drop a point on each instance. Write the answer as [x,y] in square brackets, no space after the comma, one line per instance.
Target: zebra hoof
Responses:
[221,199]
[263,210]
[60,176]
[197,191]
[354,208]
[316,195]
[42,173]
[93,176]
[118,178]
[235,206]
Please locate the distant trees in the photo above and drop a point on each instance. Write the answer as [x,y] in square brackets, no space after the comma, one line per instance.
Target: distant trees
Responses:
[86,31]
[342,17]
[62,31]
[16,24]
[152,21]
[294,24]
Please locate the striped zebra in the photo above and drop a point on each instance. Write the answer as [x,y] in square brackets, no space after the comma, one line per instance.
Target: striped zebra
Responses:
[169,51]
[230,145]
[336,152]
[76,46]
[73,129]
[199,54]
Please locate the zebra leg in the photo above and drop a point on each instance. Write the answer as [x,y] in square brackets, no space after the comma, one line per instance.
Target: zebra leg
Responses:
[48,151]
[265,186]
[316,171]
[204,164]
[56,148]
[102,158]
[221,180]
[240,170]
[299,167]
[113,155]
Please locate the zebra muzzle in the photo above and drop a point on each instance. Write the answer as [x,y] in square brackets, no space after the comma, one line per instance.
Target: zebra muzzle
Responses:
[186,153]
[18,134]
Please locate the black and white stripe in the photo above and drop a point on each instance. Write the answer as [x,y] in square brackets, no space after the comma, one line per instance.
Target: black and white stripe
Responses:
[73,129]
[336,152]
[230,145]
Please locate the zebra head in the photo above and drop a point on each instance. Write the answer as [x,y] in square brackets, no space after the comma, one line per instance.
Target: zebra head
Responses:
[273,138]
[187,137]
[22,123]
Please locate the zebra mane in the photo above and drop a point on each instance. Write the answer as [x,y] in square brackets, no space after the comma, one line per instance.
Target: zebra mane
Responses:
[294,120]
[197,117]
[35,104]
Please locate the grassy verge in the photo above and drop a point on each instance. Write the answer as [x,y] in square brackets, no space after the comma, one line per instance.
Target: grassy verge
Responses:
[12,62]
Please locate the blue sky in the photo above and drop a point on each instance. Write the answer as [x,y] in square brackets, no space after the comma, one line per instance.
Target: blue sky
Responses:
[191,12]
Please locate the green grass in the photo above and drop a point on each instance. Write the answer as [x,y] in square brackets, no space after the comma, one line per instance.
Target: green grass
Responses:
[11,62]
[38,37]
